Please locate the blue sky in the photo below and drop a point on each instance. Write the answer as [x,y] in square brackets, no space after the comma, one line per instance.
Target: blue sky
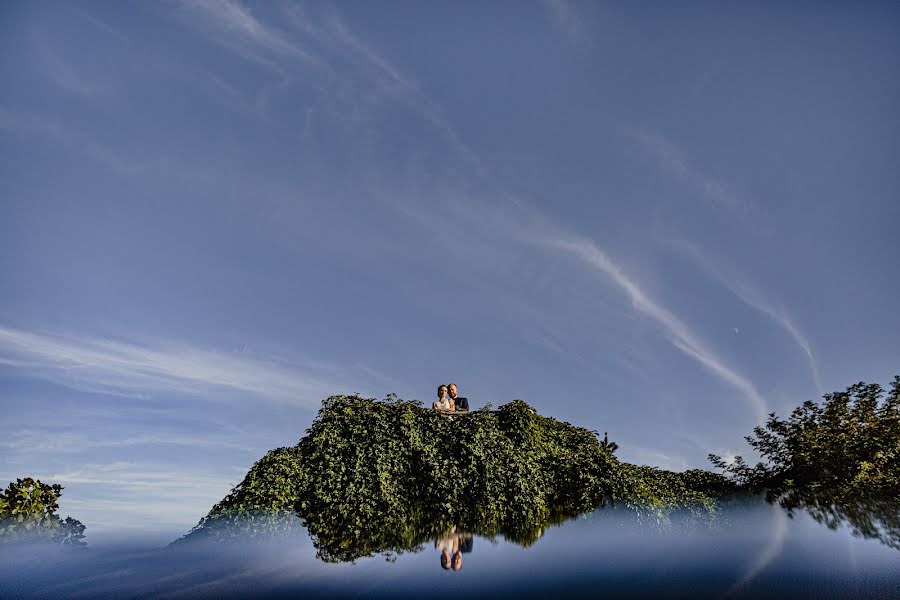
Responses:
[654,220]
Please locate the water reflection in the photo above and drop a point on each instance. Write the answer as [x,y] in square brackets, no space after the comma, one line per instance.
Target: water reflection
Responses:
[751,549]
[335,543]
[868,518]
[452,545]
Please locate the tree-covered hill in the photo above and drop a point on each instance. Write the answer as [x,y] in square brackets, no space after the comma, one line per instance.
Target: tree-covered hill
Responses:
[370,475]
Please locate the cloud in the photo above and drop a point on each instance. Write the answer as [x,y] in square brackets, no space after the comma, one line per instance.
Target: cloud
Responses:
[128,475]
[67,77]
[750,296]
[679,334]
[234,26]
[647,456]
[387,80]
[566,18]
[767,554]
[327,45]
[11,120]
[387,77]
[52,441]
[141,368]
[114,496]
[100,24]
[115,160]
[673,160]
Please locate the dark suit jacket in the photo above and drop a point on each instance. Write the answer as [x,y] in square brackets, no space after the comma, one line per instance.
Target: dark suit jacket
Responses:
[461,403]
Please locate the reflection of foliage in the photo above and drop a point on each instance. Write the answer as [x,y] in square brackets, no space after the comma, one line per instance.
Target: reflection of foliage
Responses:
[239,526]
[242,526]
[247,524]
[840,461]
[868,518]
[28,512]
[375,476]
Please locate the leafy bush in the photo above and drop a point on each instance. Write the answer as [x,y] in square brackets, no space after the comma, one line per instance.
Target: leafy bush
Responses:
[847,448]
[374,476]
[28,512]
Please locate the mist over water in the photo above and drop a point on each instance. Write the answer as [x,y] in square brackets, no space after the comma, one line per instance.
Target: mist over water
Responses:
[750,550]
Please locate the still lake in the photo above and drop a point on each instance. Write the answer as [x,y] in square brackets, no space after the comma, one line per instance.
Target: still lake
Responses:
[751,550]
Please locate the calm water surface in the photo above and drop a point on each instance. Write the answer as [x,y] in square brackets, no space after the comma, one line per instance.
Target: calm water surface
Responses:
[751,551]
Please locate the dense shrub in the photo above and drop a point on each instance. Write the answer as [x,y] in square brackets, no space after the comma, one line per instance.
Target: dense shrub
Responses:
[373,476]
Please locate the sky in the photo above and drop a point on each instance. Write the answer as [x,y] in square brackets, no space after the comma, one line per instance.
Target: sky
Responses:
[654,220]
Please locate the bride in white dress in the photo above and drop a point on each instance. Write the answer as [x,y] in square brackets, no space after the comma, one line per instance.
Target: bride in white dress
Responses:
[444,402]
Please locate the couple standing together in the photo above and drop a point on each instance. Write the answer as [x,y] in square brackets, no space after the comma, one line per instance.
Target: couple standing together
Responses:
[449,400]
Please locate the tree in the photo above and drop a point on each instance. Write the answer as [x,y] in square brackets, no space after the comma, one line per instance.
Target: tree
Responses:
[611,447]
[848,447]
[28,512]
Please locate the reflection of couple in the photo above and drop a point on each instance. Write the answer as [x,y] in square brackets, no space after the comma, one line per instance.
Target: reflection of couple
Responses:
[449,400]
[452,547]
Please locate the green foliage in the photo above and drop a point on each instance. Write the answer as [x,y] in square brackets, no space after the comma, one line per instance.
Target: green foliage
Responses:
[28,512]
[870,518]
[711,484]
[847,448]
[611,447]
[839,461]
[374,476]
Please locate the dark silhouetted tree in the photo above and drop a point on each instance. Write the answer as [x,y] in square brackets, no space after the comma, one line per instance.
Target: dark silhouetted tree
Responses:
[611,447]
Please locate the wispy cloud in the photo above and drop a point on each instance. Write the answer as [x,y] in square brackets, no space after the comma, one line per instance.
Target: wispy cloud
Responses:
[389,79]
[332,36]
[354,75]
[66,76]
[99,24]
[678,333]
[386,76]
[114,496]
[566,18]
[11,120]
[235,26]
[129,475]
[778,314]
[749,295]
[674,161]
[44,441]
[116,161]
[769,552]
[143,368]
[648,456]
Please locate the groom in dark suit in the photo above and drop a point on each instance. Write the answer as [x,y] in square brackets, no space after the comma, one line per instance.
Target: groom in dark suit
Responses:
[459,403]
